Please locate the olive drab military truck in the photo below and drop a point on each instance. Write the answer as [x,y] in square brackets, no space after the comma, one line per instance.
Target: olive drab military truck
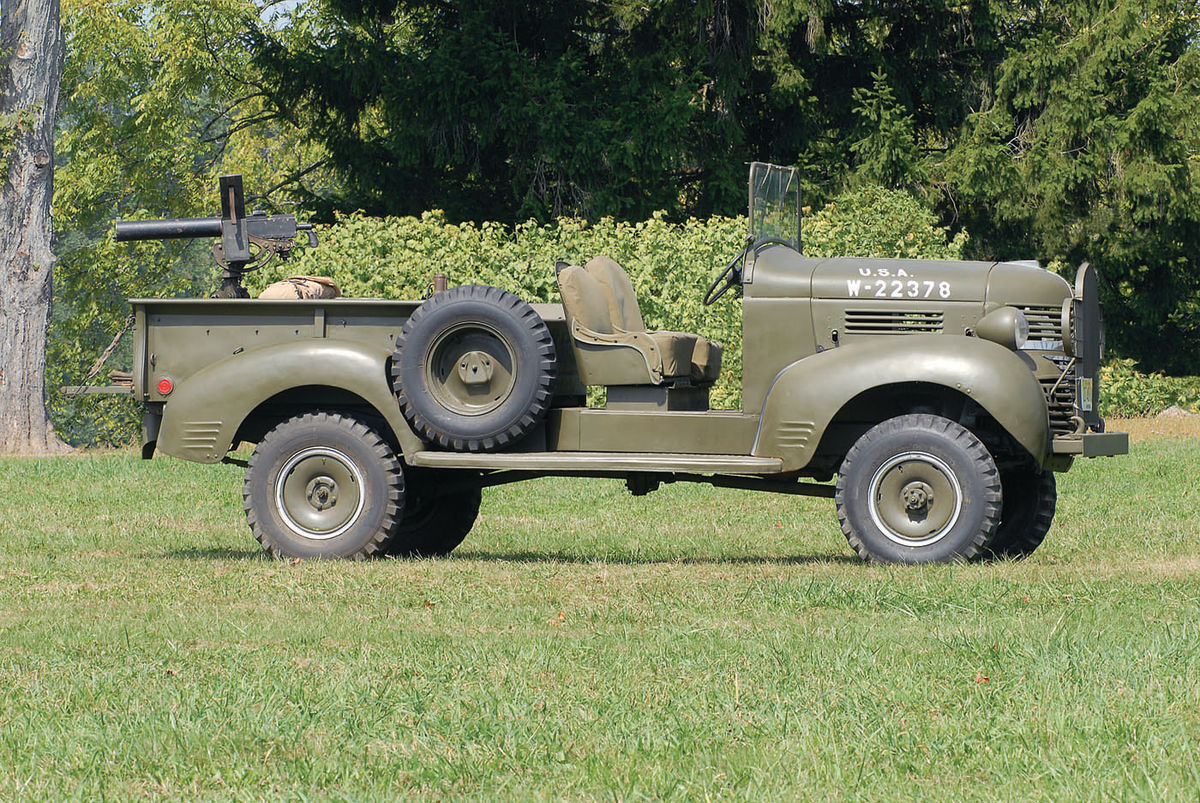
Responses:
[942,396]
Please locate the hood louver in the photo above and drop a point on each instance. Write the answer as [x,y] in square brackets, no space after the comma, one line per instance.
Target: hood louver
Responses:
[899,322]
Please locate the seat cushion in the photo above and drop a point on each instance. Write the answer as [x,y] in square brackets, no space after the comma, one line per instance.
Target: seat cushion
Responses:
[622,301]
[706,360]
[676,349]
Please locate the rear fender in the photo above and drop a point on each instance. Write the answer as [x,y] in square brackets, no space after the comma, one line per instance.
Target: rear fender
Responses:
[808,394]
[202,417]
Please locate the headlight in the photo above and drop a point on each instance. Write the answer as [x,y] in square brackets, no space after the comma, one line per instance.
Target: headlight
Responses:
[1006,326]
[1067,326]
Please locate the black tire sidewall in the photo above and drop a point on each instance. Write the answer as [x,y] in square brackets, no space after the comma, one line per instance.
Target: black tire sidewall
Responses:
[368,533]
[1028,496]
[439,513]
[972,467]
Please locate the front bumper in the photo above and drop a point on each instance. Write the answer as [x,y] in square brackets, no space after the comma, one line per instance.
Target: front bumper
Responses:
[1091,444]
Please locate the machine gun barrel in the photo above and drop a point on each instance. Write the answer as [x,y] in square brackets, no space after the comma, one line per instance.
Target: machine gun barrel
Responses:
[244,242]
[175,229]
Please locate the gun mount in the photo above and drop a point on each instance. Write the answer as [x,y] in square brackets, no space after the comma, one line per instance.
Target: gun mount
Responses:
[247,242]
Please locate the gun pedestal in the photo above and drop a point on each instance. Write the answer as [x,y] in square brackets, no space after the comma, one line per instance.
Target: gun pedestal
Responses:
[247,242]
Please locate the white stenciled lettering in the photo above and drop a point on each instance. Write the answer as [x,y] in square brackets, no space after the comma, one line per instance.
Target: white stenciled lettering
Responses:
[887,282]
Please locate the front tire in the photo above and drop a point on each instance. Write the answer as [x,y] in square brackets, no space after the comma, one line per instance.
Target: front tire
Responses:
[323,485]
[1028,511]
[918,489]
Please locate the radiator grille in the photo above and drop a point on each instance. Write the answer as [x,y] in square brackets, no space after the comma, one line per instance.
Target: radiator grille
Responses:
[889,322]
[1060,399]
[1045,323]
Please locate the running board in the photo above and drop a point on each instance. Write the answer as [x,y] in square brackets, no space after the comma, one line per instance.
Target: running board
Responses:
[598,462]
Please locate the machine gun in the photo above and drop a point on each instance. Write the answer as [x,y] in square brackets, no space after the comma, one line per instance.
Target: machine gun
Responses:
[246,242]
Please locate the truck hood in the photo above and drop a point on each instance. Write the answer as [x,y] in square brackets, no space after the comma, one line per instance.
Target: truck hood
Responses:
[780,272]
[901,279]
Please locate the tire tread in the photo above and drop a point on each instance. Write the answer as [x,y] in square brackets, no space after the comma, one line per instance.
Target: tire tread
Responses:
[957,433]
[382,451]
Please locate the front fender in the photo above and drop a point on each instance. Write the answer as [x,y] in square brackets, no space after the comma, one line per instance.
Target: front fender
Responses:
[808,394]
[204,413]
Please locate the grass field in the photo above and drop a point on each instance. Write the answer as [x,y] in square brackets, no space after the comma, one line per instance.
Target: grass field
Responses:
[586,644]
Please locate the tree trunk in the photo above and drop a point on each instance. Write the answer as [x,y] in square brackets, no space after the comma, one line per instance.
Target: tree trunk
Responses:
[31,64]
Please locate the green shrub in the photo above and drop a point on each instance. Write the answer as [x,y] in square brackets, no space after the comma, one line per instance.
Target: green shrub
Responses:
[877,222]
[670,264]
[1127,392]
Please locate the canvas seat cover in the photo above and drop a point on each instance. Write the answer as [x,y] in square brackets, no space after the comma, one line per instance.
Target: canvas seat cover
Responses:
[599,298]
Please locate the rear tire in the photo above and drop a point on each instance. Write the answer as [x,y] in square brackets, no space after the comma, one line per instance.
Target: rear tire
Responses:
[323,485]
[918,489]
[440,509]
[1026,514]
[474,369]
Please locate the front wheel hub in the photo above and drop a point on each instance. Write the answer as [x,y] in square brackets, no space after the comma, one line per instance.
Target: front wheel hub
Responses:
[915,499]
[917,496]
[322,493]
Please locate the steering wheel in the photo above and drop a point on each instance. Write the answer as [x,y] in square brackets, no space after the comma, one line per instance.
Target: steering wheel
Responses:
[730,277]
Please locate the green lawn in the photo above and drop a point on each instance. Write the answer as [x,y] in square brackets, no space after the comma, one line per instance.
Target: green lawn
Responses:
[586,644]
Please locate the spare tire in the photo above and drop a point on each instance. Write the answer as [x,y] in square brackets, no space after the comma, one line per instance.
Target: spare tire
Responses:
[474,369]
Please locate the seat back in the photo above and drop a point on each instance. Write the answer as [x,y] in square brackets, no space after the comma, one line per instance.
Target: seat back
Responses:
[584,299]
[623,307]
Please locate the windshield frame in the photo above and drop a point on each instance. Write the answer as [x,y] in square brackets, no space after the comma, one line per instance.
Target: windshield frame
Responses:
[774,205]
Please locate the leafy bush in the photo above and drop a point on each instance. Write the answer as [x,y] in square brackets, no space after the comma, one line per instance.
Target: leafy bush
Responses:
[1127,392]
[876,222]
[670,264]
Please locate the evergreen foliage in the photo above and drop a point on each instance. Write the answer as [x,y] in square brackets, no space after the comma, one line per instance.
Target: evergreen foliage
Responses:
[886,153]
[1090,150]
[1066,130]
[509,109]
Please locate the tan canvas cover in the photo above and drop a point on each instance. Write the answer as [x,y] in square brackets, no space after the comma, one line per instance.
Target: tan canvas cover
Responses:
[295,287]
[675,349]
[622,301]
[584,299]
[600,298]
[706,360]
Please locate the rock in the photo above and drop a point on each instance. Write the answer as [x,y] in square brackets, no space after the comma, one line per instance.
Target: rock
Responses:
[1175,411]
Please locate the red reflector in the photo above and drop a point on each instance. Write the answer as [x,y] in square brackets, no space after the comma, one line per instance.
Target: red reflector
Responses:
[165,386]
